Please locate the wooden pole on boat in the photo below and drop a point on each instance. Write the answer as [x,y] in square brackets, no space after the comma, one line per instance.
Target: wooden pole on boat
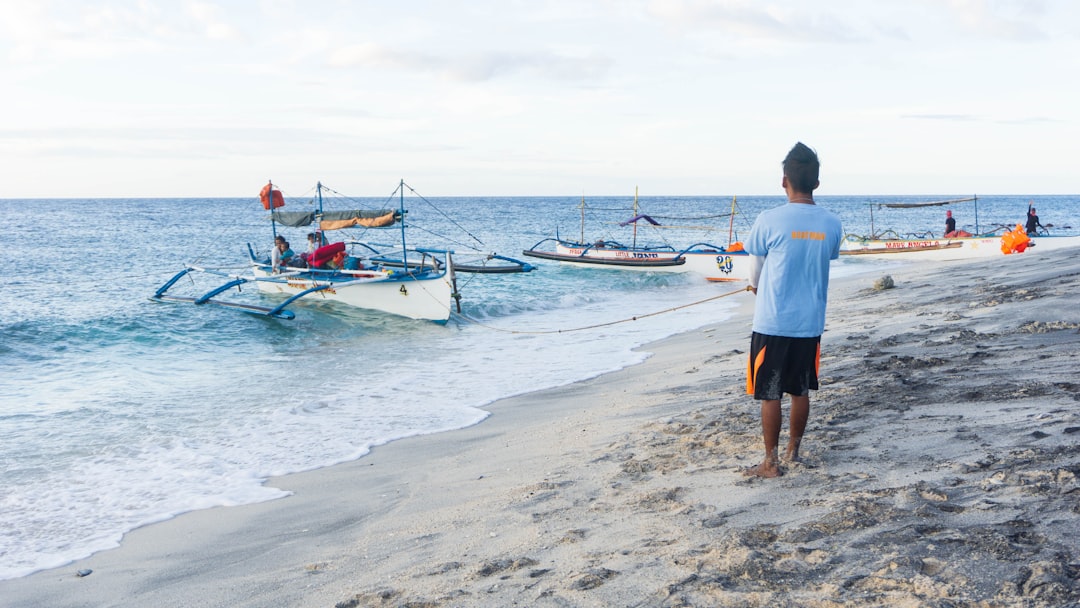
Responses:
[582,241]
[320,239]
[731,223]
[634,214]
[976,199]
[453,280]
[273,224]
[401,199]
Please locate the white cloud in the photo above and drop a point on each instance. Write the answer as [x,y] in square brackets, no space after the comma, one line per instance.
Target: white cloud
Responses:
[209,17]
[778,21]
[471,67]
[1017,20]
[546,96]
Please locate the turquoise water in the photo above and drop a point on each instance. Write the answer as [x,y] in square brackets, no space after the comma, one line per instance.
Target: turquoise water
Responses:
[116,411]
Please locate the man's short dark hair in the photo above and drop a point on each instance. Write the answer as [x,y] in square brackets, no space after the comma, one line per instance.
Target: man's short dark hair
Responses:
[801,168]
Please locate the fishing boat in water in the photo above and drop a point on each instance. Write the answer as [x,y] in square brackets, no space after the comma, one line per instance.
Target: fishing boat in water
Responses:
[713,262]
[953,246]
[417,283]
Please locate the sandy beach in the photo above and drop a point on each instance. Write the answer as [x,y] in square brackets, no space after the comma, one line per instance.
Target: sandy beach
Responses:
[940,469]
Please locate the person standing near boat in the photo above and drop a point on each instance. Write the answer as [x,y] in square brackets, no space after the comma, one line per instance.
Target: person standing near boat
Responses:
[793,245]
[1033,224]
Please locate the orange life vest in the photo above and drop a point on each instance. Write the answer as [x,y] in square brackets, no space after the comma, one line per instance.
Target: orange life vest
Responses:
[1015,241]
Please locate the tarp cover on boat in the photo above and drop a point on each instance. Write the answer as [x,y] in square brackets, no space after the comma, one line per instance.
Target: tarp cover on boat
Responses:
[931,204]
[639,217]
[336,220]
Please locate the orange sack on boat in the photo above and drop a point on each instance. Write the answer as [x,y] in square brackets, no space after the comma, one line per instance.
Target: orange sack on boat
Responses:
[265,195]
[1015,241]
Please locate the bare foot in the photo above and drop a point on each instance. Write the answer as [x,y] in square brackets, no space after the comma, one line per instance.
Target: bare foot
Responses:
[791,454]
[767,470]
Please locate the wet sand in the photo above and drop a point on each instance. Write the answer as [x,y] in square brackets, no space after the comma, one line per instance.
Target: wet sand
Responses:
[940,468]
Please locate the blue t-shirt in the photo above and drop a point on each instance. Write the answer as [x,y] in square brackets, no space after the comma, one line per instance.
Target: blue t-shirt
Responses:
[797,241]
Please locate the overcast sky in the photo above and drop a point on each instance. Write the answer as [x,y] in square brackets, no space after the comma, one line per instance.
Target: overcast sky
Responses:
[148,98]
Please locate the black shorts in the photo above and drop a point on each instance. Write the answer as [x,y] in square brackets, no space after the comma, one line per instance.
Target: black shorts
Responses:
[781,365]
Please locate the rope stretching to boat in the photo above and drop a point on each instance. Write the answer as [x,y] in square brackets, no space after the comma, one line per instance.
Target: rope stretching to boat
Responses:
[441,212]
[635,318]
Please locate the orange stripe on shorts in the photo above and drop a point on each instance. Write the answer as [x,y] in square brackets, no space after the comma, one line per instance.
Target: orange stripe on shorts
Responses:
[752,367]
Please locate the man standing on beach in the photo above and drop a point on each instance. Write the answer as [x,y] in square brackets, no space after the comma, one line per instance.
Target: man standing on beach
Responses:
[793,245]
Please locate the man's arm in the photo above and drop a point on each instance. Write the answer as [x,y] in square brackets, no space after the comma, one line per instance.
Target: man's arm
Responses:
[756,263]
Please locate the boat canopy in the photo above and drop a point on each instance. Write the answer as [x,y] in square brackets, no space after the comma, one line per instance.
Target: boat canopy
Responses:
[336,220]
[634,220]
[931,204]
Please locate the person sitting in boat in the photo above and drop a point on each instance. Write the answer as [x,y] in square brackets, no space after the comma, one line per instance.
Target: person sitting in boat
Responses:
[599,244]
[1033,224]
[305,256]
[950,227]
[275,253]
[283,255]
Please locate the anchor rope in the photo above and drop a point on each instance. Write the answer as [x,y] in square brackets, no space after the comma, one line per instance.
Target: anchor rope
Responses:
[607,324]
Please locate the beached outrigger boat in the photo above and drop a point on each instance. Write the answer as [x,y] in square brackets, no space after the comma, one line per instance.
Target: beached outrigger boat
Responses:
[959,246]
[421,286]
[713,262]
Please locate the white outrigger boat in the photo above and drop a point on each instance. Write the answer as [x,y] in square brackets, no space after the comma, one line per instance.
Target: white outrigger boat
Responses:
[956,248]
[416,283]
[950,247]
[713,262]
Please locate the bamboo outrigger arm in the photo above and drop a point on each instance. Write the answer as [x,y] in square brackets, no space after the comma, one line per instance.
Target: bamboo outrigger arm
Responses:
[277,312]
[699,247]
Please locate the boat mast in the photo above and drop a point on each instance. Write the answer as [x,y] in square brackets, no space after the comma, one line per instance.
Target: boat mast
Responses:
[976,199]
[731,223]
[634,214]
[401,199]
[582,241]
[273,224]
[318,218]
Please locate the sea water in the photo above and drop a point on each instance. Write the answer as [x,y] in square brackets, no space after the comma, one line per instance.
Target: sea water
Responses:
[116,411]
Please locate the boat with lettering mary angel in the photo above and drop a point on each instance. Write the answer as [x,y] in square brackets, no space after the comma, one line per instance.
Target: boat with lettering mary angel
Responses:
[713,262]
[417,283]
[957,245]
